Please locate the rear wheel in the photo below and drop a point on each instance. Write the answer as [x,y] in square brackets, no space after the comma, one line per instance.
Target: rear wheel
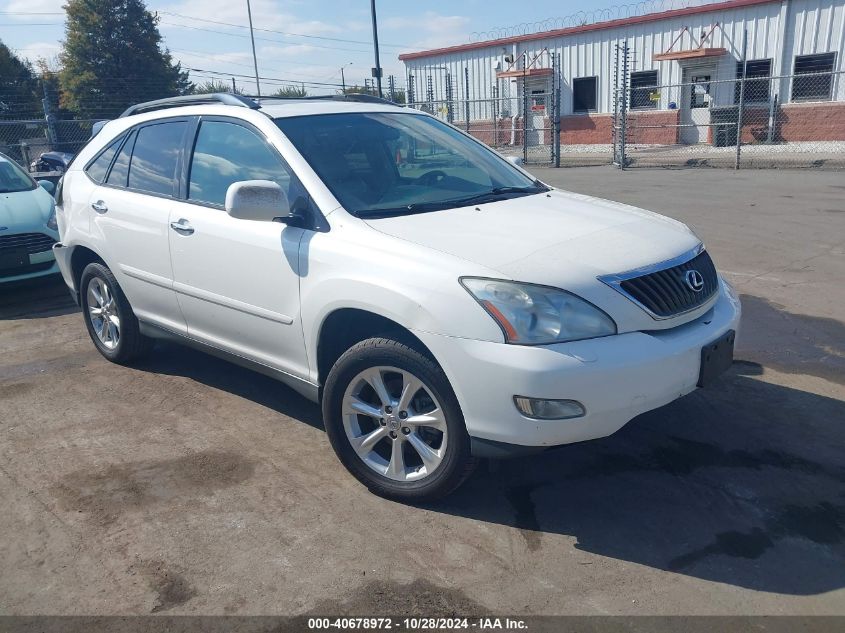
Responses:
[394,422]
[109,318]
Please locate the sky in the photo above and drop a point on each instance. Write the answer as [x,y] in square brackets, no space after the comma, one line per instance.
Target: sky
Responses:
[297,40]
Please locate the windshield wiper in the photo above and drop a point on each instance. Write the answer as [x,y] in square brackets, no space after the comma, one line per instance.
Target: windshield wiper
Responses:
[534,187]
[437,205]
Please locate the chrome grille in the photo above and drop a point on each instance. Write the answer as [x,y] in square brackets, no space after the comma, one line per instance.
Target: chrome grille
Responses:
[665,292]
[32,242]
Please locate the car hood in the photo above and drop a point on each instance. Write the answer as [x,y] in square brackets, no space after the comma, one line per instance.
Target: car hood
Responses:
[558,238]
[25,210]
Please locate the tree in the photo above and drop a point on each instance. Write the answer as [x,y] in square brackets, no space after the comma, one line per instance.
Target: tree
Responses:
[214,85]
[291,92]
[51,89]
[20,94]
[112,57]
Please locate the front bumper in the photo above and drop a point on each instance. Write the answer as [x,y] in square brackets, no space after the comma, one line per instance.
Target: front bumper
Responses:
[616,378]
[40,265]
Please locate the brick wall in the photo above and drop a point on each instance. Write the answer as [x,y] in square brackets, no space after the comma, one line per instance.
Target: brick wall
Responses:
[810,122]
[590,129]
[492,132]
[586,129]
[641,131]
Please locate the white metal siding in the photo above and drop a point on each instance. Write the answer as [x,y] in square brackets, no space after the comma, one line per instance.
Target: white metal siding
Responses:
[777,31]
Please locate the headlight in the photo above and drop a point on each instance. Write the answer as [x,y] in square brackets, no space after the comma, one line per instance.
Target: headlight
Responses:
[51,221]
[532,315]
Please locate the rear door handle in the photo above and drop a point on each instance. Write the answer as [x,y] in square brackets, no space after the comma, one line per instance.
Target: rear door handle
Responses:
[99,206]
[182,227]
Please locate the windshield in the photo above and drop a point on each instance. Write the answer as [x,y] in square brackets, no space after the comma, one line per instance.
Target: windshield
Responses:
[13,178]
[382,164]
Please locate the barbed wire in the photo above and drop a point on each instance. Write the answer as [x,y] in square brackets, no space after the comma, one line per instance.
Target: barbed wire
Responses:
[583,18]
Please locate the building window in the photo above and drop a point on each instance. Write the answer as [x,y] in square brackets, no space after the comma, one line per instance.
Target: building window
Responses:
[643,89]
[819,80]
[584,94]
[756,90]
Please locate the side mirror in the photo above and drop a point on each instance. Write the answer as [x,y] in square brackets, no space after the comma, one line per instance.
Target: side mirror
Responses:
[257,200]
[515,160]
[47,186]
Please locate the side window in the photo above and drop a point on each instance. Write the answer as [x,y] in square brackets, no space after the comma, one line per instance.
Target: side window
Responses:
[99,167]
[225,153]
[816,85]
[154,157]
[120,169]
[584,94]
[643,90]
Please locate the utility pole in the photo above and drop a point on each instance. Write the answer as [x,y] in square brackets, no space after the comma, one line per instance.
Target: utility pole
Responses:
[342,80]
[254,58]
[377,69]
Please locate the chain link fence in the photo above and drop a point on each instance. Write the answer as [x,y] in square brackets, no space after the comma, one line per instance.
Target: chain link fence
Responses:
[26,135]
[753,122]
[524,126]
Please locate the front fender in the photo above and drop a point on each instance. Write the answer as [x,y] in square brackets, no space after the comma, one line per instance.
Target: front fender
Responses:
[437,309]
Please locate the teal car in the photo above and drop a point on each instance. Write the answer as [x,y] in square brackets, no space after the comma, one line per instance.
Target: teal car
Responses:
[28,227]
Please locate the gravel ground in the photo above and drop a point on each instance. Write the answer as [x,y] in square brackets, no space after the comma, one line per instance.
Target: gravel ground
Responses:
[185,485]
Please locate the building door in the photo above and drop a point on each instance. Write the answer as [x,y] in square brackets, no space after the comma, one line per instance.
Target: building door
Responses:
[695,108]
[537,117]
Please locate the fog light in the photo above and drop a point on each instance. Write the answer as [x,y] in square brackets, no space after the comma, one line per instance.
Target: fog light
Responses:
[540,409]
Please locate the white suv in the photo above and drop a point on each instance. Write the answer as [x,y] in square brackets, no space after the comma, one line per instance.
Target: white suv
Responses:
[440,302]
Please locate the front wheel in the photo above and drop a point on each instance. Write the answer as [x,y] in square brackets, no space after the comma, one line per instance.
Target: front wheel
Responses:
[394,421]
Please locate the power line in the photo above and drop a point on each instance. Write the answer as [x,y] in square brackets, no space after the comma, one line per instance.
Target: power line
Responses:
[316,37]
[230,24]
[279,79]
[264,39]
[211,56]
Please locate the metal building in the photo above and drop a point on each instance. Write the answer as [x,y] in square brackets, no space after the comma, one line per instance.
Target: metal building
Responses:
[682,65]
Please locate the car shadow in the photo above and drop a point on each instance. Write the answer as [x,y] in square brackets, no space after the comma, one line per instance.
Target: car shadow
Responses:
[177,360]
[35,298]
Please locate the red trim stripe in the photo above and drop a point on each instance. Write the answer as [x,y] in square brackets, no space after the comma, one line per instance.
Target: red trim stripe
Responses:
[598,26]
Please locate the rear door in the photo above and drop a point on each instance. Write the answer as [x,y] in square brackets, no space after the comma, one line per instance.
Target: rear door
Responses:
[238,280]
[131,209]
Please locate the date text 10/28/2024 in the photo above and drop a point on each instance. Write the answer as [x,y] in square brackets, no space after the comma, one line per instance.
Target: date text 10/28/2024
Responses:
[417,624]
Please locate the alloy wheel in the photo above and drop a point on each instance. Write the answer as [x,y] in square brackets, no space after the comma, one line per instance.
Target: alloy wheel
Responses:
[394,423]
[102,311]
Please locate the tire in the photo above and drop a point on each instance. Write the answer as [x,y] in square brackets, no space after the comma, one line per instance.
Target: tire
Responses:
[390,448]
[103,301]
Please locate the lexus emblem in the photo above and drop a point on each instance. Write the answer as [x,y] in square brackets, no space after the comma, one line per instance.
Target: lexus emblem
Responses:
[694,280]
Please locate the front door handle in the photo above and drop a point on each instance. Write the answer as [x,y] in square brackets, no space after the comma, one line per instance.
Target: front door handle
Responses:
[99,206]
[182,227]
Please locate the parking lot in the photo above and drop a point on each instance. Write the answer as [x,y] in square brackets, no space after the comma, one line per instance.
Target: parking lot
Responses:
[188,485]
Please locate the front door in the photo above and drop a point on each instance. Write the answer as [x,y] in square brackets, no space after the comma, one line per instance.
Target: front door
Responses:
[237,281]
[695,112]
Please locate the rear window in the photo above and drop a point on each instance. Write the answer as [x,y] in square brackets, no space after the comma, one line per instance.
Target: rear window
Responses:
[155,156]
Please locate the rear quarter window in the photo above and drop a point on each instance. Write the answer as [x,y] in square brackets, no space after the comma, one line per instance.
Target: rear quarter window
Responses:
[99,167]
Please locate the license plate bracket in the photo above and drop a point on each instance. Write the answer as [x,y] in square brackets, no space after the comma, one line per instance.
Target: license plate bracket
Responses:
[11,258]
[716,357]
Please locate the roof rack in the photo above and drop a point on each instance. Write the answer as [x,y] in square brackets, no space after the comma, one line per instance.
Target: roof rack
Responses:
[355,96]
[226,98]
